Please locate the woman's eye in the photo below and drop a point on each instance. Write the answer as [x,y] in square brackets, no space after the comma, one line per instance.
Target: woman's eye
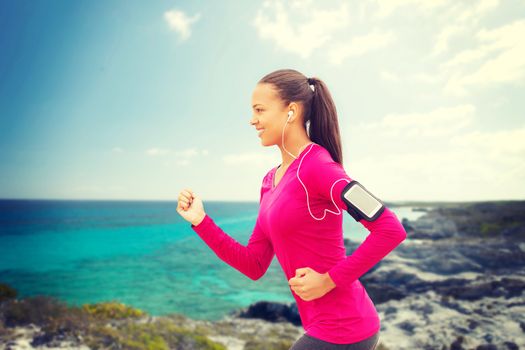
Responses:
[258,109]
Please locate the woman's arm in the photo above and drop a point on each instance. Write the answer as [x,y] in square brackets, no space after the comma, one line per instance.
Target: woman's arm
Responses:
[386,232]
[252,260]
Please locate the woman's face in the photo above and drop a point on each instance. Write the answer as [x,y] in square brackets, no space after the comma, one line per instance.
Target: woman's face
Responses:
[269,114]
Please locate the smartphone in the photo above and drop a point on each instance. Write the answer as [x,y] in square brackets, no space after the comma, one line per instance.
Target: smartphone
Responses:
[361,200]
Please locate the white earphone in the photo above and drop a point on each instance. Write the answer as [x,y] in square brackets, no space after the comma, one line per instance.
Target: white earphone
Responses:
[290,113]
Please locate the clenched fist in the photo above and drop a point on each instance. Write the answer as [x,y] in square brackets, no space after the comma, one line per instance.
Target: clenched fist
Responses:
[190,207]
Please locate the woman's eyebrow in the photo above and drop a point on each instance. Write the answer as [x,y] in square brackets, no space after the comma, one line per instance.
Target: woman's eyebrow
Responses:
[257,104]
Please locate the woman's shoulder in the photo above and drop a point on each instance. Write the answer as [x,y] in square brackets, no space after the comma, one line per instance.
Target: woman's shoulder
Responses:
[267,178]
[266,183]
[316,156]
[318,163]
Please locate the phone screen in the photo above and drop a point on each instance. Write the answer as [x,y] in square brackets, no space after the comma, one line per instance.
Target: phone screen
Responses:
[363,200]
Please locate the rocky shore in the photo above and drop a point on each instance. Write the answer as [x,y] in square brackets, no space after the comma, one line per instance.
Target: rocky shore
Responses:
[457,282]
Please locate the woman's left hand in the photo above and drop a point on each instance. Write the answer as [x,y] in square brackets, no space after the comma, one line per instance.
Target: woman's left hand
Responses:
[309,284]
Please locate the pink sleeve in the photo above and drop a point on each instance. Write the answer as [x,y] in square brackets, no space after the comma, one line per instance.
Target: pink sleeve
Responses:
[386,232]
[252,260]
[327,178]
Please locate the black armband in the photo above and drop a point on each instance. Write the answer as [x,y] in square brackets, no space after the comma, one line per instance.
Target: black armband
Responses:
[360,203]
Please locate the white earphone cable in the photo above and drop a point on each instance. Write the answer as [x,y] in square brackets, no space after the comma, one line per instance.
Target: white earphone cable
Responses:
[290,113]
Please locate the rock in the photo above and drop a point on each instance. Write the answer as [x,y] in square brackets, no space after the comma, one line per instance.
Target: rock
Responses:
[456,345]
[487,347]
[511,345]
[272,311]
[407,326]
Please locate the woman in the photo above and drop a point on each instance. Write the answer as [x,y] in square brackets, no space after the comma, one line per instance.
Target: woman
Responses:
[300,217]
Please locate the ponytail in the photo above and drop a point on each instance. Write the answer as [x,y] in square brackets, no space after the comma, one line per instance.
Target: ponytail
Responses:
[324,126]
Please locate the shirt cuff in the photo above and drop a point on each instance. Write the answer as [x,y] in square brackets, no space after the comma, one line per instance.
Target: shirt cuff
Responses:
[203,224]
[334,276]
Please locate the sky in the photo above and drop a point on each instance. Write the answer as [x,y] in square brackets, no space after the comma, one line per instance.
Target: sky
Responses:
[142,99]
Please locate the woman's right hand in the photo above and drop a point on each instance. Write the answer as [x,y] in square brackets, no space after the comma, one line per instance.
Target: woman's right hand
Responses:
[190,207]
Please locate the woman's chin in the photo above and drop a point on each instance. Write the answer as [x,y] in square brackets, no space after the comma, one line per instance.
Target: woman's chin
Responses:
[264,142]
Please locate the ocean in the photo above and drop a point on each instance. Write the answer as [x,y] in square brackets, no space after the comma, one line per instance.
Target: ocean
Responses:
[140,253]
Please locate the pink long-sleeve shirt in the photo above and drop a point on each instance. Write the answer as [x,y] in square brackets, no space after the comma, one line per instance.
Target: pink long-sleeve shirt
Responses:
[285,228]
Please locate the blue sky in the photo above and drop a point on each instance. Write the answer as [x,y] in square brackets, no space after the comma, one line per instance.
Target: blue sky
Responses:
[138,100]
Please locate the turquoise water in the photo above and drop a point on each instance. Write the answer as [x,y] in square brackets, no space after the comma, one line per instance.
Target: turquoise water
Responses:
[136,252]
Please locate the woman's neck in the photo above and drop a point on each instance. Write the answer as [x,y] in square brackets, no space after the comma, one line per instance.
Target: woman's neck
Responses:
[296,150]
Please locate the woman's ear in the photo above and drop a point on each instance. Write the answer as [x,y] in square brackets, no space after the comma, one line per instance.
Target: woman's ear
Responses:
[293,108]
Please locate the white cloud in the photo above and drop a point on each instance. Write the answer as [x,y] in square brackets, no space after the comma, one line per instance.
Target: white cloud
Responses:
[440,122]
[385,8]
[360,45]
[496,143]
[501,52]
[461,19]
[446,173]
[468,56]
[179,158]
[157,152]
[476,9]
[445,35]
[441,157]
[300,29]
[186,153]
[259,160]
[427,78]
[117,150]
[180,22]
[389,76]
[496,156]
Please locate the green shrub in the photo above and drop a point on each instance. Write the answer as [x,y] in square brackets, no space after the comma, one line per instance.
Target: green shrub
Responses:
[112,310]
[159,335]
[489,228]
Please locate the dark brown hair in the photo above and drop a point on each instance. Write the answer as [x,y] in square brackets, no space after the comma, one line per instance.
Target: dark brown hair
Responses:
[320,114]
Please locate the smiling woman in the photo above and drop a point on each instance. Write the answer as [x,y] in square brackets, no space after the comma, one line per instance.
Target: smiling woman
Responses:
[268,110]
[298,115]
